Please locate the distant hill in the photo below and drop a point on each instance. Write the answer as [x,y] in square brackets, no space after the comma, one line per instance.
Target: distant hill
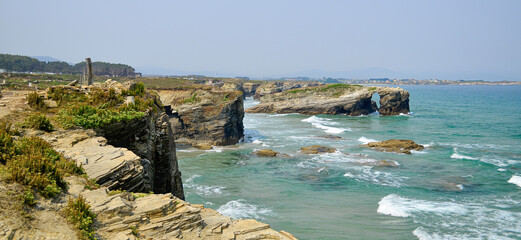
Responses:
[47,59]
[17,63]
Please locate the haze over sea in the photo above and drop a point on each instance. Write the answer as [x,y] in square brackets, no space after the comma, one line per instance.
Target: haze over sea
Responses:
[466,184]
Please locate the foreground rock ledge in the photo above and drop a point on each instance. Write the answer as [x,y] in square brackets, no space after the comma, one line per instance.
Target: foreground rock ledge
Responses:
[396,145]
[353,100]
[163,216]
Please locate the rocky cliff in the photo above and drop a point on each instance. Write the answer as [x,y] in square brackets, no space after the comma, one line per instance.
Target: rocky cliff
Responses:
[133,156]
[203,117]
[345,99]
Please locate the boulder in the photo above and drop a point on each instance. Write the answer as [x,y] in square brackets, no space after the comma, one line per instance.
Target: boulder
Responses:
[396,145]
[316,149]
[266,153]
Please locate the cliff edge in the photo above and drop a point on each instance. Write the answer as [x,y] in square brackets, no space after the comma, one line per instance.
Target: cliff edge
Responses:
[201,116]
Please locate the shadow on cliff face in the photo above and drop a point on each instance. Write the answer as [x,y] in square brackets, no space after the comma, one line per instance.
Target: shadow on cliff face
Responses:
[152,139]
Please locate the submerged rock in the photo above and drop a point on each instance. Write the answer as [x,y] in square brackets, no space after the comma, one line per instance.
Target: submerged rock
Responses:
[396,145]
[332,137]
[316,149]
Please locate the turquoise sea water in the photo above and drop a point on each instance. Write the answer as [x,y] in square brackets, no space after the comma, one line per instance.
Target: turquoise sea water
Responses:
[457,188]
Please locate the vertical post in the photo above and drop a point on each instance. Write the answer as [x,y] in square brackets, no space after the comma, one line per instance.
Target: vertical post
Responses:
[89,71]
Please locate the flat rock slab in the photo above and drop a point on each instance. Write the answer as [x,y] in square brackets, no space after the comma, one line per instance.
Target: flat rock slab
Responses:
[316,149]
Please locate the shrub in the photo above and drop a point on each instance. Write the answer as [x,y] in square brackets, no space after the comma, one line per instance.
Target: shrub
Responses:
[78,213]
[137,89]
[37,165]
[92,117]
[28,198]
[35,101]
[7,149]
[192,99]
[38,121]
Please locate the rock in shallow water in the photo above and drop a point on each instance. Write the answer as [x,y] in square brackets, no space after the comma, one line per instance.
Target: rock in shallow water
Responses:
[265,153]
[316,149]
[396,145]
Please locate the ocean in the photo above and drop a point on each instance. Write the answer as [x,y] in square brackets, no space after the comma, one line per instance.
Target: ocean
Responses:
[466,184]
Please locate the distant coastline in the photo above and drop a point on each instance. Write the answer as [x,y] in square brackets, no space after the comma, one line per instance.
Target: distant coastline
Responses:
[426,82]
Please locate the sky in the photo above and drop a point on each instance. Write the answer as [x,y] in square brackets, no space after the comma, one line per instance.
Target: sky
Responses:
[457,39]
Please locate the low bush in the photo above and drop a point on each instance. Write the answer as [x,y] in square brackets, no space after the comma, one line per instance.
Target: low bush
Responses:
[34,100]
[78,213]
[38,121]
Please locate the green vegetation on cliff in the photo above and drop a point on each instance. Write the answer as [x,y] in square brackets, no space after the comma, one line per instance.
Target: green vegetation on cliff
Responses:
[32,162]
[78,213]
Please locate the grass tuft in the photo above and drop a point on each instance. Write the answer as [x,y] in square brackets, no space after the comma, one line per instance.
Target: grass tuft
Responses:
[78,213]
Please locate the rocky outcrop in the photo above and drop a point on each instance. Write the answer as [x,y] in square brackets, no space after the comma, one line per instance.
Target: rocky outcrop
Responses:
[230,87]
[111,167]
[250,88]
[396,145]
[343,99]
[163,216]
[316,149]
[266,89]
[205,117]
[393,101]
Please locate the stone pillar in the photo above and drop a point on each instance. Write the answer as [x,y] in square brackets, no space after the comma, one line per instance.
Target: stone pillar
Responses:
[89,71]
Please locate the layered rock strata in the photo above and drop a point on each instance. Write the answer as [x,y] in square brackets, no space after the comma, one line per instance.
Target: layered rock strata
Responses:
[344,99]
[163,216]
[205,117]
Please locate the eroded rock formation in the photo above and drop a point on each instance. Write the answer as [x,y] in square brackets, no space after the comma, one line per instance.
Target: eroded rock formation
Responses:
[205,117]
[345,99]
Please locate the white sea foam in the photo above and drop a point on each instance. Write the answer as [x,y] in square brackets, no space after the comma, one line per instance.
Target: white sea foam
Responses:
[501,170]
[449,220]
[515,180]
[368,174]
[365,140]
[320,124]
[237,209]
[397,206]
[460,156]
[202,190]
[418,152]
[423,235]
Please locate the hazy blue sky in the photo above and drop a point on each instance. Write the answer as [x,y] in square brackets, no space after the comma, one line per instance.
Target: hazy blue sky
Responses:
[424,39]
